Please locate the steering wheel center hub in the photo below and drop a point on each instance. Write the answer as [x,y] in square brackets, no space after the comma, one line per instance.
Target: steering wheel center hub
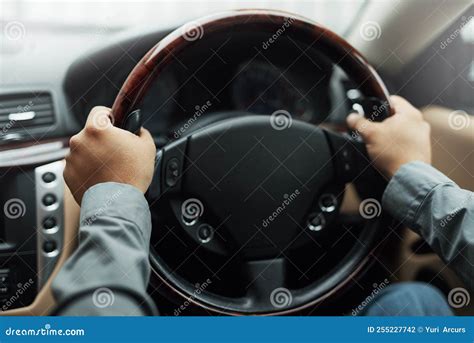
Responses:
[243,164]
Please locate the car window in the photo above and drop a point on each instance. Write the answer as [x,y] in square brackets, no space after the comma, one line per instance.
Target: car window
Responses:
[106,19]
[443,74]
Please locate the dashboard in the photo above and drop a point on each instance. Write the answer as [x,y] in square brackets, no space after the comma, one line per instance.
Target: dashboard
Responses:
[254,87]
[263,88]
[219,77]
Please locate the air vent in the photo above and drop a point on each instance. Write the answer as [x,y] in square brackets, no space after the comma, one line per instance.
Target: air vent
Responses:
[25,110]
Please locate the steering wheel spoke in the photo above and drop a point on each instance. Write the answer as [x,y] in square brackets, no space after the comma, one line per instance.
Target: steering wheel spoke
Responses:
[263,278]
[350,158]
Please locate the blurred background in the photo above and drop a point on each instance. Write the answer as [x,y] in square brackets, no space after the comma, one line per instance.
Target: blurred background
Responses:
[78,25]
[117,15]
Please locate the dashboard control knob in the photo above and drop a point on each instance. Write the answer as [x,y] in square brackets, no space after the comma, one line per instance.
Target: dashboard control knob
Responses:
[48,177]
[49,199]
[49,223]
[49,246]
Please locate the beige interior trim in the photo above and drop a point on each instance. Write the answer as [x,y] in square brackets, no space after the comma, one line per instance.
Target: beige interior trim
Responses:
[411,264]
[44,302]
[351,201]
[452,140]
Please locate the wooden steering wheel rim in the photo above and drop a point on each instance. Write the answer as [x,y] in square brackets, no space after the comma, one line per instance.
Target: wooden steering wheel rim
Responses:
[304,30]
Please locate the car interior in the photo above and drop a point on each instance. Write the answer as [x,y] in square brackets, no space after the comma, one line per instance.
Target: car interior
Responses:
[246,102]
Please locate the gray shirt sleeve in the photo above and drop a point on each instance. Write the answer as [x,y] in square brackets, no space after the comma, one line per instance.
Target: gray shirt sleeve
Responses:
[109,272]
[432,205]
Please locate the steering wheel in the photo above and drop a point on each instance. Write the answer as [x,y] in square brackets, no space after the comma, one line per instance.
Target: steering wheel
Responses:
[252,187]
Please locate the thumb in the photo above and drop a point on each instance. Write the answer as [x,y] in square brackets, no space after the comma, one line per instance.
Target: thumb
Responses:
[360,124]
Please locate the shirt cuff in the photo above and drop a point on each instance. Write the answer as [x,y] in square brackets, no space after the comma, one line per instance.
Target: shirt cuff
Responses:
[408,189]
[118,200]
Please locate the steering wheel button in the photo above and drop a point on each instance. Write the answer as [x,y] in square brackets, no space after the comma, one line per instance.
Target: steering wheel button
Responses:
[317,222]
[49,199]
[205,233]
[172,172]
[327,203]
[173,165]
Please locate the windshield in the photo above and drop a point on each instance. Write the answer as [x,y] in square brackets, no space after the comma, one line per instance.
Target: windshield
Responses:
[107,17]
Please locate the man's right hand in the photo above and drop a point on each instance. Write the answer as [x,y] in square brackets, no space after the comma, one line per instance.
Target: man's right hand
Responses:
[399,139]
